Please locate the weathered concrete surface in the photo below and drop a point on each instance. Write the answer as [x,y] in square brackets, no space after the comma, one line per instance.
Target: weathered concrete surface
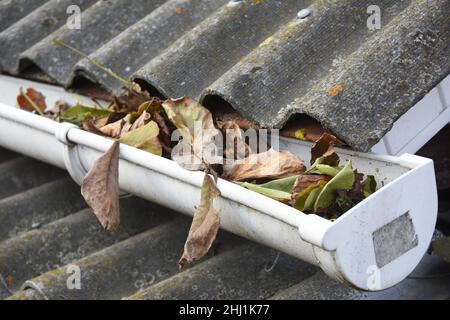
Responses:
[140,261]
[255,57]
[38,173]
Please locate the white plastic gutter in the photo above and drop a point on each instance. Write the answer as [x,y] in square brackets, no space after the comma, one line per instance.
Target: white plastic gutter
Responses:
[373,246]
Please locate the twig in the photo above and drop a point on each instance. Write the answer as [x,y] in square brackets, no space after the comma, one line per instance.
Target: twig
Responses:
[61,43]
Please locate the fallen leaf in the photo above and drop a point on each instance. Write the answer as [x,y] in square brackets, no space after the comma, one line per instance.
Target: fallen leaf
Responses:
[205,224]
[304,181]
[59,107]
[300,134]
[369,186]
[114,130]
[305,200]
[267,165]
[79,114]
[132,97]
[324,169]
[280,189]
[235,147]
[100,188]
[342,181]
[324,148]
[31,100]
[144,138]
[153,105]
[196,126]
[90,126]
[441,247]
[141,121]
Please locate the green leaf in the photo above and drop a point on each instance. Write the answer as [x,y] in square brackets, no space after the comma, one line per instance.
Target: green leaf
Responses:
[325,169]
[271,193]
[280,189]
[285,184]
[306,199]
[79,113]
[144,138]
[342,181]
[369,186]
[442,248]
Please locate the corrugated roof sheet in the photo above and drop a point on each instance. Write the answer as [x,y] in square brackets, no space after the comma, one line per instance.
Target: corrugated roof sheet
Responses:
[45,227]
[253,55]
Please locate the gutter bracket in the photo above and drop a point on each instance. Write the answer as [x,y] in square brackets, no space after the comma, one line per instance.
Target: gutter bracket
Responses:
[71,156]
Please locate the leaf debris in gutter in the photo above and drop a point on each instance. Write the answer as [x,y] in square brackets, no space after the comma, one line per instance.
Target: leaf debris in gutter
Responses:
[148,123]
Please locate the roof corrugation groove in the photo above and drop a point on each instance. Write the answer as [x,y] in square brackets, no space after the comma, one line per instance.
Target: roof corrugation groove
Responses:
[45,226]
[253,55]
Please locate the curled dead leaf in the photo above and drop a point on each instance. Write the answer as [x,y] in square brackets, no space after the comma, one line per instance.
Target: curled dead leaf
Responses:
[267,165]
[31,100]
[114,130]
[196,128]
[304,181]
[235,146]
[100,188]
[324,149]
[144,138]
[205,224]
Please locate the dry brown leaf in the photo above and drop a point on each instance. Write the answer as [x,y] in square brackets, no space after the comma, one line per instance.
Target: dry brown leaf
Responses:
[141,121]
[89,126]
[114,130]
[304,181]
[100,188]
[205,224]
[324,148]
[196,127]
[269,165]
[59,107]
[235,146]
[31,100]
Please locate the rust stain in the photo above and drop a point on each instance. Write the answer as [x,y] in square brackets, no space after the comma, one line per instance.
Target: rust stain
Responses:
[335,90]
[9,279]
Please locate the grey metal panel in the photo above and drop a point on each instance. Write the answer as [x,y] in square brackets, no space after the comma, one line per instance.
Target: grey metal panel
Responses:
[33,28]
[140,43]
[13,10]
[99,23]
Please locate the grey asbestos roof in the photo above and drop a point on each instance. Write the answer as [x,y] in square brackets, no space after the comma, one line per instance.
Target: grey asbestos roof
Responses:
[256,56]
[45,227]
